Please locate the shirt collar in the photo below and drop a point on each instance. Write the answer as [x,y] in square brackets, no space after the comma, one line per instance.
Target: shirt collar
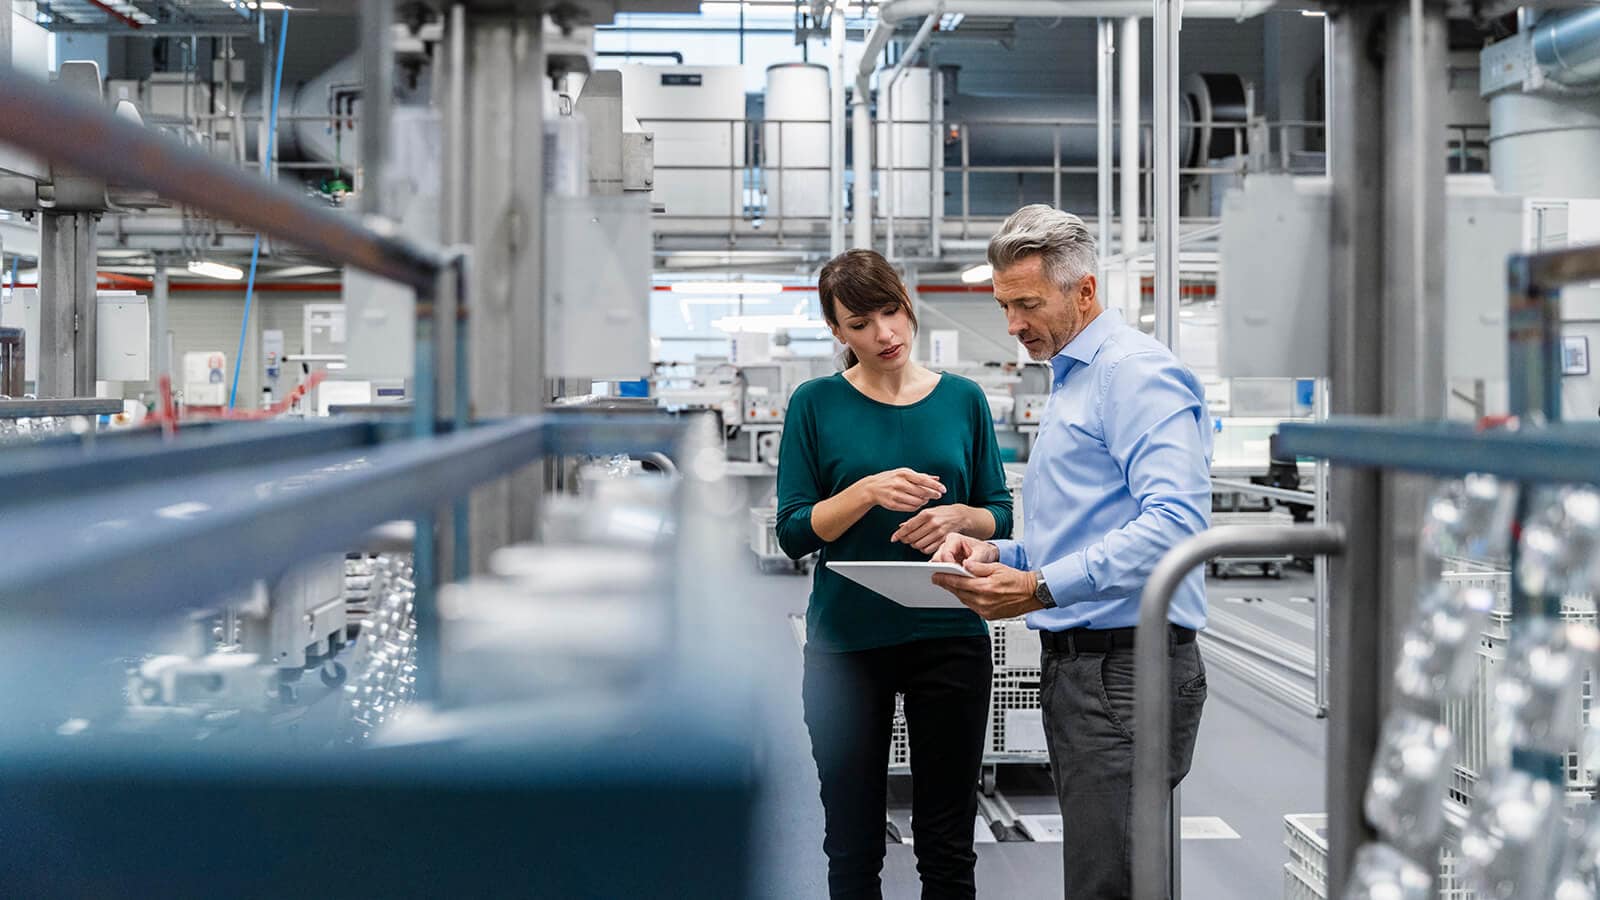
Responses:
[1088,343]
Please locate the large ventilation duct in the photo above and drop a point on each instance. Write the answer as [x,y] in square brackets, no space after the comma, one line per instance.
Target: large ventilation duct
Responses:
[1207,99]
[1544,109]
[1567,46]
[334,99]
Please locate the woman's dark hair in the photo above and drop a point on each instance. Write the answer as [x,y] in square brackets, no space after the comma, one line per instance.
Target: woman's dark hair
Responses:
[862,282]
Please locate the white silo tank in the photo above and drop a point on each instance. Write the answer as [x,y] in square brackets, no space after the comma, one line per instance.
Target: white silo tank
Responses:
[795,141]
[913,147]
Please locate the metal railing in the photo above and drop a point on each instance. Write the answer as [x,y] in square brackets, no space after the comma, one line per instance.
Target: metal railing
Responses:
[1154,855]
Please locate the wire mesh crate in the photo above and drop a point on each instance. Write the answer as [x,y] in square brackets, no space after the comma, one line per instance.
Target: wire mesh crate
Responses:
[1016,723]
[899,738]
[1472,718]
[1016,649]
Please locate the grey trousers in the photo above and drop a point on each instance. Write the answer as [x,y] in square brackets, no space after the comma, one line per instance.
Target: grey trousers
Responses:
[1088,719]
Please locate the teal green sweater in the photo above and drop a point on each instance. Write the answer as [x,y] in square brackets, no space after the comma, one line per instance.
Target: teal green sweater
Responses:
[833,436]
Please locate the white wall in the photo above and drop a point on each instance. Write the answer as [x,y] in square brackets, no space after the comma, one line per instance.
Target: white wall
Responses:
[206,321]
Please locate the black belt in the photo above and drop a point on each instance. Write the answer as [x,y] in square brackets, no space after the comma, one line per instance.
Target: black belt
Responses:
[1089,640]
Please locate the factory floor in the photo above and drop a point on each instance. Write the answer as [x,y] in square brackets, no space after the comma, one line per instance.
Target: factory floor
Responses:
[1257,760]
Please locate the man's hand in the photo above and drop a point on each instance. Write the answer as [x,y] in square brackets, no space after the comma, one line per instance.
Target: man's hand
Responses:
[927,530]
[958,548]
[997,592]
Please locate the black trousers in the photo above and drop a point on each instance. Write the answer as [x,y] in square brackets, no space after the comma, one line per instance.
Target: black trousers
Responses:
[1088,721]
[849,709]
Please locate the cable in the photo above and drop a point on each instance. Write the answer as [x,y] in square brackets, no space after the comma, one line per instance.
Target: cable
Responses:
[266,171]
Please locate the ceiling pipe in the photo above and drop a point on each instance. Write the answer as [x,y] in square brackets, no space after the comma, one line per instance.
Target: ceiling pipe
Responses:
[1566,46]
[892,12]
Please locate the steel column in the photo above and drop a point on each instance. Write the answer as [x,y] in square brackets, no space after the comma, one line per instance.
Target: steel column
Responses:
[66,304]
[836,113]
[1106,40]
[1356,694]
[377,100]
[506,90]
[1129,127]
[1164,163]
[861,121]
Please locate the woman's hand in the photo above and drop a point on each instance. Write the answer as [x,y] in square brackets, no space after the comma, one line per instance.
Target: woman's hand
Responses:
[901,490]
[928,529]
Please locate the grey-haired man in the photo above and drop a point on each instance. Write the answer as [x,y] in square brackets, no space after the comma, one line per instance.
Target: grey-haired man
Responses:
[1119,474]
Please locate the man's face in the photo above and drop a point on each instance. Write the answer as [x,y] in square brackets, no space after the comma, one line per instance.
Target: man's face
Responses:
[1037,313]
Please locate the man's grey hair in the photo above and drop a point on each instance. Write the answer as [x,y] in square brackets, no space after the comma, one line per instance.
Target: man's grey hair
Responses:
[1059,238]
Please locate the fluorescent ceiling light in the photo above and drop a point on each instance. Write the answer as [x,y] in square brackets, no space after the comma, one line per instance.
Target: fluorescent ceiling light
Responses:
[951,21]
[1313,12]
[271,5]
[763,324]
[726,287]
[978,274]
[1147,318]
[215,270]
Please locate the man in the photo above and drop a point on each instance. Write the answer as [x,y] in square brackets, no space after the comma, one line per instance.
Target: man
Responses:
[1119,475]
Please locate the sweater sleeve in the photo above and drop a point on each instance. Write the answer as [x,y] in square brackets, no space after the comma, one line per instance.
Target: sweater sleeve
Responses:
[988,475]
[799,479]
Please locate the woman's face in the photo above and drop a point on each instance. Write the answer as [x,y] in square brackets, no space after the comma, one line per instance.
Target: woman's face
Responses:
[880,339]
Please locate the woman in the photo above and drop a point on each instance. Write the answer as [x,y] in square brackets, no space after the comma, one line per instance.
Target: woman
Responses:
[881,462]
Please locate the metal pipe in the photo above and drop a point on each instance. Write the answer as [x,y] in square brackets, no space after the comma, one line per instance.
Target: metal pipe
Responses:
[861,122]
[1129,89]
[1164,164]
[1262,679]
[455,128]
[1106,39]
[159,295]
[84,136]
[893,190]
[1152,696]
[1356,290]
[1261,490]
[836,39]
[1319,565]
[377,99]
[935,158]
[1566,45]
[892,12]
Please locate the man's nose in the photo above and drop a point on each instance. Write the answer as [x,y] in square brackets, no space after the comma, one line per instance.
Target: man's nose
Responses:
[1015,325]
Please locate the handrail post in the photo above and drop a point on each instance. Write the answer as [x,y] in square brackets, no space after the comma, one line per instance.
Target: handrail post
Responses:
[1152,712]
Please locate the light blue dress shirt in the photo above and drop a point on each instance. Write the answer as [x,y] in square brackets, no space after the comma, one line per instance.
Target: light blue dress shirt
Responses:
[1119,474]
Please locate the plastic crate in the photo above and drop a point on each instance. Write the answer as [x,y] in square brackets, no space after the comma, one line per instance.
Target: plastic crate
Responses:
[1306,836]
[1305,875]
[764,533]
[1297,885]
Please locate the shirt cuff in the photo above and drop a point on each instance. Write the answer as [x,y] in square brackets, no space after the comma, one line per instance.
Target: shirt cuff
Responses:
[1012,554]
[1068,580]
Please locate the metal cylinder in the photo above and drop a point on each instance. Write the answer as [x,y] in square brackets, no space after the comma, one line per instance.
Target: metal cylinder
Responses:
[1545,145]
[1566,46]
[908,153]
[795,141]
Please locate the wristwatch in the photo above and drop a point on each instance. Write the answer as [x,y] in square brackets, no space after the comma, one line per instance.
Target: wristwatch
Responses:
[1041,592]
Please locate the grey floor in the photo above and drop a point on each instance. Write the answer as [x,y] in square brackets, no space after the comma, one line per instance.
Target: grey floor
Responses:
[1257,760]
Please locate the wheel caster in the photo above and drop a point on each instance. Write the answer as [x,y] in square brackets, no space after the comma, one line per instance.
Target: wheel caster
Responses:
[987,780]
[332,673]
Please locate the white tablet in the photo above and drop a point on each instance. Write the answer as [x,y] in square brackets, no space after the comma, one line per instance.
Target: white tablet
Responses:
[906,583]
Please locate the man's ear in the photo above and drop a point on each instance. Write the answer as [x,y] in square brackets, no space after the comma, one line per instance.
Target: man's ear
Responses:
[1088,290]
